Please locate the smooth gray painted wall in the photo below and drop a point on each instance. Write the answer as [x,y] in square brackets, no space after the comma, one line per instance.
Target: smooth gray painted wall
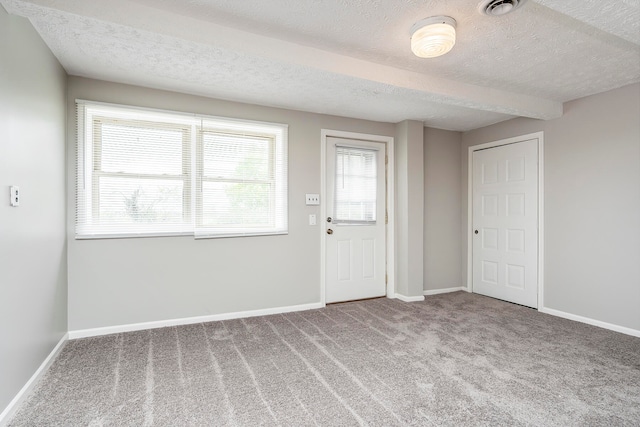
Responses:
[125,281]
[33,298]
[591,204]
[442,209]
[409,208]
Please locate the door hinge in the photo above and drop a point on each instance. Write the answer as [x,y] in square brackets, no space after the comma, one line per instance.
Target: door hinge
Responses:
[386,159]
[386,217]
[386,279]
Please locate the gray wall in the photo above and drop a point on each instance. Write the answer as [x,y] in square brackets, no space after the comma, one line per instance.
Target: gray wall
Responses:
[442,209]
[124,281]
[409,208]
[33,299]
[591,204]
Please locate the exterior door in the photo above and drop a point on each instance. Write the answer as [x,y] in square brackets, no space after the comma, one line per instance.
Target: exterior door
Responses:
[505,222]
[355,227]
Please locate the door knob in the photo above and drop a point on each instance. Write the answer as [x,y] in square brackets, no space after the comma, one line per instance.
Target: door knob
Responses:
[329,231]
[476,232]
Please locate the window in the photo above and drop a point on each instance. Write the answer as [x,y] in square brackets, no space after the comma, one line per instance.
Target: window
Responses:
[149,173]
[355,186]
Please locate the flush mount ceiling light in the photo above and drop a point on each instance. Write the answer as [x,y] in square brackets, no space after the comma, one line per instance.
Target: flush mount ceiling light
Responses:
[435,36]
[499,7]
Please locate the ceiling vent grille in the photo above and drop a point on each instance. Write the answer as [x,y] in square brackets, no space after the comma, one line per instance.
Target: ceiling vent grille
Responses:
[499,7]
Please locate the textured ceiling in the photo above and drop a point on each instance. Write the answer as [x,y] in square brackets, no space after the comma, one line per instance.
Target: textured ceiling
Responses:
[351,58]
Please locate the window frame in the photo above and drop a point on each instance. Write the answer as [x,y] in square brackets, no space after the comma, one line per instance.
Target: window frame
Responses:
[336,219]
[193,127]
[201,178]
[97,172]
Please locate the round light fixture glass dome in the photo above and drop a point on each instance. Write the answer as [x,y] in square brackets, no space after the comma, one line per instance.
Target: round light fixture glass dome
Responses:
[434,36]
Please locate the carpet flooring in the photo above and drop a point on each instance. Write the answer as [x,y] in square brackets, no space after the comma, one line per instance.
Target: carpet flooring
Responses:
[453,360]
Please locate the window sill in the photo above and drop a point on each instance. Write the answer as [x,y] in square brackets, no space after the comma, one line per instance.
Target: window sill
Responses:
[177,234]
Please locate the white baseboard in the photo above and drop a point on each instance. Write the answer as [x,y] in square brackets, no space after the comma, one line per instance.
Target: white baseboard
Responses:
[409,299]
[444,290]
[94,332]
[14,405]
[589,321]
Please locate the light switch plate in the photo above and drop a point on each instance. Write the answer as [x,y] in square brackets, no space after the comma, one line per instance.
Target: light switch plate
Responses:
[312,219]
[15,195]
[312,199]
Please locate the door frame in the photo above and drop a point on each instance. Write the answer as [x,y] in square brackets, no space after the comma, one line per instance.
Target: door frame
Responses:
[389,143]
[540,137]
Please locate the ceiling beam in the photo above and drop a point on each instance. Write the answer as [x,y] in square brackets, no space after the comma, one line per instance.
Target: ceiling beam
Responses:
[215,36]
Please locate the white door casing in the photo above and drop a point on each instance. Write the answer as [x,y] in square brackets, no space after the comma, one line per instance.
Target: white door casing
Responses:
[355,239]
[505,222]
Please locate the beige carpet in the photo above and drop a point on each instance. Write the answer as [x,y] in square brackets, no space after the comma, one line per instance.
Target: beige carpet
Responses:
[453,360]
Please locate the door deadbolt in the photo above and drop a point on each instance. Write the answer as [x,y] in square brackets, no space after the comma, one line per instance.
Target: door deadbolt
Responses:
[328,219]
[476,232]
[329,231]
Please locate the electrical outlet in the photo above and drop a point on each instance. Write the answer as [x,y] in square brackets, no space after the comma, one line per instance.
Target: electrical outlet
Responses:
[15,195]
[313,199]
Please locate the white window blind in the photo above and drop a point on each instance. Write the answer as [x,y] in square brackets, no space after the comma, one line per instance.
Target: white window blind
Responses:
[241,175]
[147,173]
[355,186]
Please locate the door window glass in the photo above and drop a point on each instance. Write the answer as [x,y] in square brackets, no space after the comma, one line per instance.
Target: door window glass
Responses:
[355,186]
